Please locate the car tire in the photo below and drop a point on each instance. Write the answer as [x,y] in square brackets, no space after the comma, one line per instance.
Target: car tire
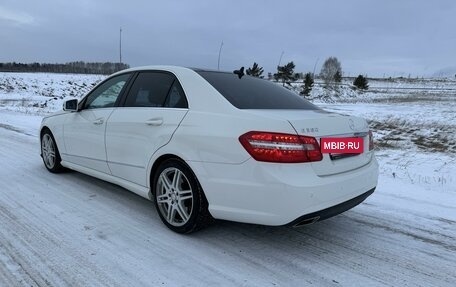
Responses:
[179,198]
[50,153]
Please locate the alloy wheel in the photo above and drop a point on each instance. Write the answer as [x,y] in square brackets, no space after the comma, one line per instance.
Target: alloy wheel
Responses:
[174,196]
[48,151]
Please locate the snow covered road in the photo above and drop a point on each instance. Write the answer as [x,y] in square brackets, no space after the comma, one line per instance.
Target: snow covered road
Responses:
[73,230]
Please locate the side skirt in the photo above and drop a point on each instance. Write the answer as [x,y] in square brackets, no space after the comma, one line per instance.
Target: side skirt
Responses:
[133,187]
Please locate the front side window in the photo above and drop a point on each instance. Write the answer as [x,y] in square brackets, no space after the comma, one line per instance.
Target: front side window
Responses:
[106,95]
[155,89]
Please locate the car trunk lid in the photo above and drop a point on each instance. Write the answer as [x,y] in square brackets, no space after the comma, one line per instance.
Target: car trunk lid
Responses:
[321,124]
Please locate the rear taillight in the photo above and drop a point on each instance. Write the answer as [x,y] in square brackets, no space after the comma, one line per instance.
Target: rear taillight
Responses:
[278,147]
[371,140]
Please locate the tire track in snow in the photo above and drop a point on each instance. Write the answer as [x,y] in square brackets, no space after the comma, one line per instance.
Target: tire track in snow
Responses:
[387,227]
[14,129]
[70,229]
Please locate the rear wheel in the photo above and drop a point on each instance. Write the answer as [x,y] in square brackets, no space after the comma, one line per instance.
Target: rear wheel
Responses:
[50,153]
[179,198]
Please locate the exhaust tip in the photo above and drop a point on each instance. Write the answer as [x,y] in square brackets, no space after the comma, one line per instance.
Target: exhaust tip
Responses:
[307,221]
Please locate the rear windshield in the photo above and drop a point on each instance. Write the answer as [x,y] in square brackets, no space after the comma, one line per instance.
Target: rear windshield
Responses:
[255,93]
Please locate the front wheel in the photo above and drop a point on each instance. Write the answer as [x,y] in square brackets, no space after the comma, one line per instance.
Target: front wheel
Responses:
[50,153]
[179,198]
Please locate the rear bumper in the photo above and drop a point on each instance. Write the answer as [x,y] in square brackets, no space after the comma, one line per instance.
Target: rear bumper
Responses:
[278,194]
[331,211]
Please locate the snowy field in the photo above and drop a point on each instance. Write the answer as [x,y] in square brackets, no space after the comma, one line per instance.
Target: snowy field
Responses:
[73,230]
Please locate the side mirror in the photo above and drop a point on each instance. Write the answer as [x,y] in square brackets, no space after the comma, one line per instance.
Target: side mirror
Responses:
[70,105]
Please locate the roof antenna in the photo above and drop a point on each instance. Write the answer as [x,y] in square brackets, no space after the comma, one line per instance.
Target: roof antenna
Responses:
[239,72]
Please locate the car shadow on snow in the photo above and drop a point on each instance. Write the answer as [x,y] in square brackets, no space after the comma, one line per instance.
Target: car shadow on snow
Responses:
[346,240]
[122,199]
[357,227]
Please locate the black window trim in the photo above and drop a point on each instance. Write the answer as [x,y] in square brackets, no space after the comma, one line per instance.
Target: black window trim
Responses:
[124,95]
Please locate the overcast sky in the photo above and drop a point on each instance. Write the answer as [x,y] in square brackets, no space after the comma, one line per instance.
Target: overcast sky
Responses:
[392,38]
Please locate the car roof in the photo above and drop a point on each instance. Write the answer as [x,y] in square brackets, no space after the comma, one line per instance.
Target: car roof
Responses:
[169,68]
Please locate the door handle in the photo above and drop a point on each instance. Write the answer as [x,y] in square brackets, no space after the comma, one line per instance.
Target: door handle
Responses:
[98,121]
[154,122]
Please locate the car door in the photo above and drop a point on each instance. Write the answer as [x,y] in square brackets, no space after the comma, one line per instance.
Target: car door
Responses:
[153,109]
[84,131]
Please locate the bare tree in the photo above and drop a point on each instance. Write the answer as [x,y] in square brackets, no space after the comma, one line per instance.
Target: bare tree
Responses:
[331,71]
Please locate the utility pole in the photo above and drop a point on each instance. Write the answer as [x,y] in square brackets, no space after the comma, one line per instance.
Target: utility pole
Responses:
[220,52]
[120,46]
[315,66]
[280,59]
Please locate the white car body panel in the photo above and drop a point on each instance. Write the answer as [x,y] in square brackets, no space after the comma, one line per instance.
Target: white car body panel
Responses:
[133,135]
[221,145]
[138,189]
[84,138]
[124,148]
[271,194]
[310,123]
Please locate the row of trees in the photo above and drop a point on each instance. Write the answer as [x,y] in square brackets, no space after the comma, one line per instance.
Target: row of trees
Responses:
[79,67]
[331,74]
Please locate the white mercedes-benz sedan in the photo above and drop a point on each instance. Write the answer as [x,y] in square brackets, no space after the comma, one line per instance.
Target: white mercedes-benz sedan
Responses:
[207,144]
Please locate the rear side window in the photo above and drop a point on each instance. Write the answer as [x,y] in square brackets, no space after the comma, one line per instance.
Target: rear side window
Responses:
[155,89]
[254,93]
[176,97]
[149,90]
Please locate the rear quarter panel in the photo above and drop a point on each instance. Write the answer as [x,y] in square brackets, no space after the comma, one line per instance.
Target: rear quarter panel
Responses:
[214,137]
